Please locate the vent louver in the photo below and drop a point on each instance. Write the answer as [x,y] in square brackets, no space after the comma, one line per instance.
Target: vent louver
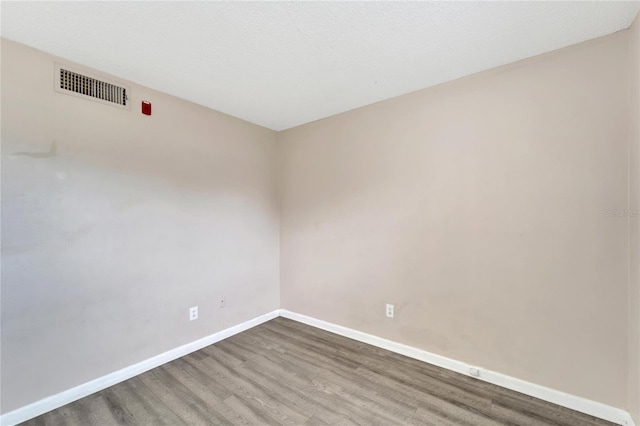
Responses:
[92,87]
[73,82]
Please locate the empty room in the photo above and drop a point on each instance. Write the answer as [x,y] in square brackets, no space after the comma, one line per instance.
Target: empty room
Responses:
[320,213]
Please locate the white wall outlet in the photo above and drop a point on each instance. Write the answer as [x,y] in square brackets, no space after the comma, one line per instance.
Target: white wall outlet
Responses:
[193,313]
[390,310]
[222,301]
[474,371]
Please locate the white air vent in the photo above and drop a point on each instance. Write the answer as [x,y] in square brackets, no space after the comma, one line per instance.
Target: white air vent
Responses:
[73,82]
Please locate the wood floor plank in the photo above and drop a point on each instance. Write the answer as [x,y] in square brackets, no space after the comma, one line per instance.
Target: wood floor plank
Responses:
[283,364]
[56,418]
[143,405]
[355,391]
[207,390]
[251,392]
[93,410]
[119,412]
[355,404]
[316,401]
[320,361]
[517,418]
[186,405]
[314,421]
[248,413]
[286,373]
[533,407]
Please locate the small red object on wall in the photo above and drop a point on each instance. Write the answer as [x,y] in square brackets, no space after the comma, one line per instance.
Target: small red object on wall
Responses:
[146,108]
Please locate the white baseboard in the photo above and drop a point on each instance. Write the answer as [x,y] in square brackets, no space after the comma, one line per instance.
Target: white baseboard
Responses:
[597,409]
[55,401]
[593,408]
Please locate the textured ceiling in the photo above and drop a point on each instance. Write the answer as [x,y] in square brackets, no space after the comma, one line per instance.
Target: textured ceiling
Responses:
[281,64]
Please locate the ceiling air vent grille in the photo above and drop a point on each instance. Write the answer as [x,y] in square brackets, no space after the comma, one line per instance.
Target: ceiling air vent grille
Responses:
[79,84]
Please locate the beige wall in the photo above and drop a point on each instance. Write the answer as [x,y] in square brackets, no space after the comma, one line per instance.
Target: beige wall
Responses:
[109,241]
[477,207]
[634,223]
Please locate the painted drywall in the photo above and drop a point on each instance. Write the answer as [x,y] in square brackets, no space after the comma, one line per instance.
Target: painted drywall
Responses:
[484,210]
[634,221]
[115,223]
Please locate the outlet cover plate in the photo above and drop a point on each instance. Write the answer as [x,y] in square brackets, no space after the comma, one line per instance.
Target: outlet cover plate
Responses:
[390,310]
[193,313]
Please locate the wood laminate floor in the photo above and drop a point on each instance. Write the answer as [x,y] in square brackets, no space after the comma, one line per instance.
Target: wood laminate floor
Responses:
[284,372]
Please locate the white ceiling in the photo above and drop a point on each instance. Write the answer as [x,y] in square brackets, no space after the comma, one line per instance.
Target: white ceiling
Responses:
[281,64]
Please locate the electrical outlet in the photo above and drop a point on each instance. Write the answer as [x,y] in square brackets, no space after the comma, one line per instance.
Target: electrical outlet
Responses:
[222,301]
[193,313]
[474,371]
[390,310]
